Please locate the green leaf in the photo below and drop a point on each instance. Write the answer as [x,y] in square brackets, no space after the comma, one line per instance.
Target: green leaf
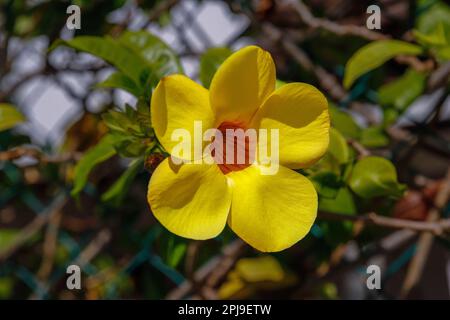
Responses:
[124,59]
[326,183]
[443,54]
[375,177]
[97,154]
[176,254]
[118,80]
[9,116]
[344,123]
[374,137]
[161,59]
[119,189]
[375,54]
[338,147]
[434,38]
[210,61]
[439,13]
[401,92]
[343,202]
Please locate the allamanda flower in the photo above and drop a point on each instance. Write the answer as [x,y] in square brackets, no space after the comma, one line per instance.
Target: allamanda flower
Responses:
[269,212]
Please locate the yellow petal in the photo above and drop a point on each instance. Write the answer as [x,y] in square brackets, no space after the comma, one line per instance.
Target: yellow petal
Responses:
[300,112]
[271,212]
[191,200]
[176,103]
[241,84]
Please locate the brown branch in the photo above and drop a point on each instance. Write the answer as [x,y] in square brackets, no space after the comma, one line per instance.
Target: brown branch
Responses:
[308,18]
[33,227]
[342,30]
[213,266]
[19,152]
[425,241]
[435,227]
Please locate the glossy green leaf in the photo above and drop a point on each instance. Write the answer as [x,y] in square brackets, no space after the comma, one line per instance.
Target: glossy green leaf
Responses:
[344,123]
[118,80]
[338,147]
[436,37]
[119,189]
[9,116]
[439,13]
[176,254]
[374,137]
[401,92]
[123,58]
[374,177]
[161,59]
[210,62]
[97,154]
[343,202]
[375,54]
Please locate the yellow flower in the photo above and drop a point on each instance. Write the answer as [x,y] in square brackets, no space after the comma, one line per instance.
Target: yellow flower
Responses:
[269,212]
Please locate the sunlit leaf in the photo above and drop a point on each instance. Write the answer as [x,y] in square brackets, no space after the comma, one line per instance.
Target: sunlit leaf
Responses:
[374,177]
[161,59]
[343,203]
[344,123]
[210,62]
[375,54]
[338,147]
[374,137]
[123,58]
[401,92]
[118,80]
[97,154]
[9,116]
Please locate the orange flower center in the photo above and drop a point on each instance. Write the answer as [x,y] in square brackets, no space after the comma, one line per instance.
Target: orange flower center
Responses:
[233,147]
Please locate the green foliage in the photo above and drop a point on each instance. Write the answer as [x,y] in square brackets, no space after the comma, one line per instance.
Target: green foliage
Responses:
[141,58]
[343,202]
[344,123]
[326,183]
[210,61]
[161,59]
[117,191]
[94,156]
[374,137]
[9,116]
[375,54]
[338,147]
[118,80]
[401,92]
[375,177]
[110,50]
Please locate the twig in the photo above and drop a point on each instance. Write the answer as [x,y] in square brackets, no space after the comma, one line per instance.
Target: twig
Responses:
[362,151]
[18,152]
[435,227]
[33,227]
[93,248]
[425,241]
[234,249]
[308,18]
[49,246]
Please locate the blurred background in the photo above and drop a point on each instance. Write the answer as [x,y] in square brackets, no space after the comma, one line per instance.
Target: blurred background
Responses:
[400,111]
